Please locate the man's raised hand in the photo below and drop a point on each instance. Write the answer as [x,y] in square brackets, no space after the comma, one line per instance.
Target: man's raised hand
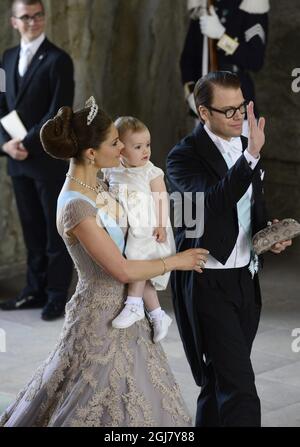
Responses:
[256,132]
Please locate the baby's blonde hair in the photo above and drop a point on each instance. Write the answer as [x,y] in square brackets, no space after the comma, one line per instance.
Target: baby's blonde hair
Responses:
[129,123]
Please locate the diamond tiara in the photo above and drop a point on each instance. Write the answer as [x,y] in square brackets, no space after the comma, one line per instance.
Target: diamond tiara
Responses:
[91,102]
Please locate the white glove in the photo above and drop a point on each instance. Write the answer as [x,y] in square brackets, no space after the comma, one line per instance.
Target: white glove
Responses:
[211,26]
[191,102]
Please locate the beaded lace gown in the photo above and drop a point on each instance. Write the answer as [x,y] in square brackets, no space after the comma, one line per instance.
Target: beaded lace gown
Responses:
[98,376]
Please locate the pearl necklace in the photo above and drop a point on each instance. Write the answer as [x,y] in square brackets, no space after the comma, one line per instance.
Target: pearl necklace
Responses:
[76,180]
[107,201]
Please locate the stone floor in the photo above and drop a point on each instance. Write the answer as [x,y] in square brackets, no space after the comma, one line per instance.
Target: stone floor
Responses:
[277,367]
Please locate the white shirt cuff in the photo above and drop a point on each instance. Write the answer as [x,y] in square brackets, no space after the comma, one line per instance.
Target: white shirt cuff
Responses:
[252,161]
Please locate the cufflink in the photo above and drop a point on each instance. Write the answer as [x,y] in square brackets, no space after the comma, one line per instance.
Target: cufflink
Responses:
[227,44]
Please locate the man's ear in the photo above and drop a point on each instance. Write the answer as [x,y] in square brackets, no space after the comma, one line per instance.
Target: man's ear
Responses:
[13,22]
[203,113]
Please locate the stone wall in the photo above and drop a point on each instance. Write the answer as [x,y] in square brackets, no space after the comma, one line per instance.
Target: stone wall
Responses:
[11,242]
[126,53]
[281,106]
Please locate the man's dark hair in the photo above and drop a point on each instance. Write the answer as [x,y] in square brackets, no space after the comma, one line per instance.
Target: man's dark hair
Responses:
[26,3]
[204,88]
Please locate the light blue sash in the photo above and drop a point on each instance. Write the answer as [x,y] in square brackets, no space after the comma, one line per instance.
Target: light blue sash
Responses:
[113,229]
[244,204]
[244,217]
[108,222]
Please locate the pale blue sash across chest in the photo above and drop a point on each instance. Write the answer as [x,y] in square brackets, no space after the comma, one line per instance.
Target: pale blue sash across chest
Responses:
[110,224]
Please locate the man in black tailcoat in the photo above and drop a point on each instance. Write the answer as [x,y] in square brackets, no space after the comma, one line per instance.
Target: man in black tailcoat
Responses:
[218,311]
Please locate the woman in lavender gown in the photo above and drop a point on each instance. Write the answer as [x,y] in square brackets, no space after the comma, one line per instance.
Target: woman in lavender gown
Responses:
[98,376]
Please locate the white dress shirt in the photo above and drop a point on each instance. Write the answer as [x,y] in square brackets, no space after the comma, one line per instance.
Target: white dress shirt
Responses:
[27,53]
[240,256]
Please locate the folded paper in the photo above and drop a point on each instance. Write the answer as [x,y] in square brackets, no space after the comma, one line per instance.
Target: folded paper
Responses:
[14,126]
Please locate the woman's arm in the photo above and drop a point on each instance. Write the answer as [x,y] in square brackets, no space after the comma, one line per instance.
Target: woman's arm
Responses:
[104,251]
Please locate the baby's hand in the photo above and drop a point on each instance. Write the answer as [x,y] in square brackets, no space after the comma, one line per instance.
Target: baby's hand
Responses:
[160,234]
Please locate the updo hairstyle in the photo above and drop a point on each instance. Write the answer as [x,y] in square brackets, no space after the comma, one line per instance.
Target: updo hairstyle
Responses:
[67,135]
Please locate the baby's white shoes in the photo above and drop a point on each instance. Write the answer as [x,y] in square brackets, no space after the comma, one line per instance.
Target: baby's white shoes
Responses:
[161,327]
[133,313]
[129,315]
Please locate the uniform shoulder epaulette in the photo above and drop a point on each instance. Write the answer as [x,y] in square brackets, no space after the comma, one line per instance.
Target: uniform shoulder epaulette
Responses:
[255,6]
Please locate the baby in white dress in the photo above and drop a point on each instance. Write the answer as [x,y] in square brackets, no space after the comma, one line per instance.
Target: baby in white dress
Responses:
[140,187]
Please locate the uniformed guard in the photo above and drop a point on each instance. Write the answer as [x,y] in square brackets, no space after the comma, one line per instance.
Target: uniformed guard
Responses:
[235,31]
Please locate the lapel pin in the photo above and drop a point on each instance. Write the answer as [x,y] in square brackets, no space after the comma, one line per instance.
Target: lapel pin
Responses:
[41,57]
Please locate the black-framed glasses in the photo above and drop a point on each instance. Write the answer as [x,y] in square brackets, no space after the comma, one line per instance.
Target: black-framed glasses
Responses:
[26,19]
[231,111]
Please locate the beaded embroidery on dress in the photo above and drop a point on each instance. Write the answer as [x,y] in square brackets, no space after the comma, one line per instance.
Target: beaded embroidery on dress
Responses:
[98,376]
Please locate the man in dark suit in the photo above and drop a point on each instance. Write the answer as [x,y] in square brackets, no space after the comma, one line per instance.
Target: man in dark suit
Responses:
[40,79]
[218,311]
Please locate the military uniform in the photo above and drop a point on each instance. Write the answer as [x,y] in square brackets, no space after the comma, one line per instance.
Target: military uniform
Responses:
[246,32]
